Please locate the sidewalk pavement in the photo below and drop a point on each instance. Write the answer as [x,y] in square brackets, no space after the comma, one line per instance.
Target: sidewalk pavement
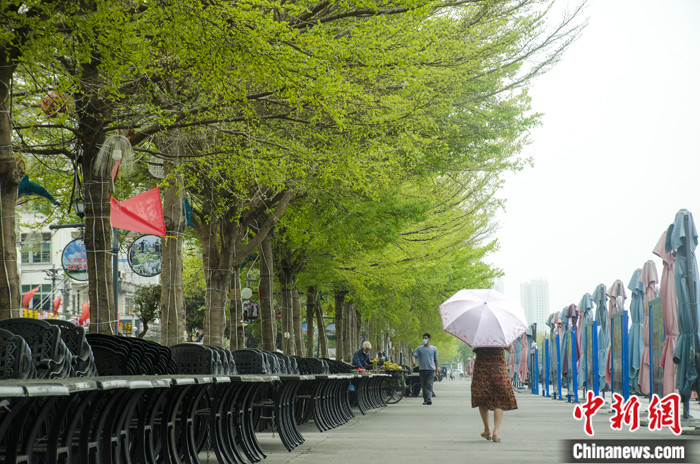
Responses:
[448,431]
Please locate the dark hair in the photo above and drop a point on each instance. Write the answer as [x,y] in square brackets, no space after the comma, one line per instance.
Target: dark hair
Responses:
[426,335]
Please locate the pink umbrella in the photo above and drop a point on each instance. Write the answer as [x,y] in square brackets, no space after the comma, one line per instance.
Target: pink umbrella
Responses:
[483,318]
[669,306]
[616,303]
[522,367]
[470,367]
[511,360]
[579,329]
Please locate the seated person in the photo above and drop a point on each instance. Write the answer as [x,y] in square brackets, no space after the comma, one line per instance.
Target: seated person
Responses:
[361,357]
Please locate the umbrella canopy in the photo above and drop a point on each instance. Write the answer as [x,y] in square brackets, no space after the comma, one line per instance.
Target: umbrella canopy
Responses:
[585,307]
[616,304]
[568,317]
[684,239]
[483,318]
[669,307]
[523,371]
[601,317]
[617,296]
[517,350]
[636,343]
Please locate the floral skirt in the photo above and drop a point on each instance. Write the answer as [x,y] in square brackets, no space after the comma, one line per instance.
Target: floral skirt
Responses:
[491,385]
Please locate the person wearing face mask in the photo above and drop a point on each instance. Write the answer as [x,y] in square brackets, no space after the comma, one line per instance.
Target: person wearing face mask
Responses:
[427,361]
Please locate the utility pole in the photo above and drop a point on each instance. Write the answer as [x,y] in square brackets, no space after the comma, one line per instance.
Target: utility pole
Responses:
[52,274]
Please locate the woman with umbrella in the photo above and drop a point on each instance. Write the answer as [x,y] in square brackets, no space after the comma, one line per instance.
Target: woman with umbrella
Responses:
[491,389]
[489,322]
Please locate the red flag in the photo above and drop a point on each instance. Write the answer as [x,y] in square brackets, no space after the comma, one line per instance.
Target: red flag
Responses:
[85,314]
[29,296]
[142,213]
[57,304]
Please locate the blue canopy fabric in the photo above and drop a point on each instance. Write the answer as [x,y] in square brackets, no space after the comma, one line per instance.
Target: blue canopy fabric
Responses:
[27,187]
[530,334]
[684,240]
[636,340]
[586,307]
[518,352]
[601,317]
[564,346]
[552,338]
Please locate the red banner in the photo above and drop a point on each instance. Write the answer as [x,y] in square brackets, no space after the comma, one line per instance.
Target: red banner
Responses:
[57,303]
[27,297]
[142,213]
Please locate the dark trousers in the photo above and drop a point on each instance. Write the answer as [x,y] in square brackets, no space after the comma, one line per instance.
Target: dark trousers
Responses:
[426,384]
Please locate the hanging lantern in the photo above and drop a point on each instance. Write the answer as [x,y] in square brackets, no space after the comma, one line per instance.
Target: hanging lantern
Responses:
[54,103]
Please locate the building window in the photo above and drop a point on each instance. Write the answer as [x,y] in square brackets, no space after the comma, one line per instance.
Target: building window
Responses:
[36,247]
[42,299]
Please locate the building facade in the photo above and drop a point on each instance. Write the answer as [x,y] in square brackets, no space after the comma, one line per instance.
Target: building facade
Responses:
[40,252]
[534,298]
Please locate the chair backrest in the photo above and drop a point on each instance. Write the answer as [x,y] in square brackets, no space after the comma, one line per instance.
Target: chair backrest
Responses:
[74,336]
[112,355]
[50,356]
[193,358]
[251,361]
[15,357]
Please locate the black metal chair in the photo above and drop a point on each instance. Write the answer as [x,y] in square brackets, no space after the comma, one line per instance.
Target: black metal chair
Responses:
[112,355]
[15,357]
[194,359]
[74,336]
[251,361]
[50,356]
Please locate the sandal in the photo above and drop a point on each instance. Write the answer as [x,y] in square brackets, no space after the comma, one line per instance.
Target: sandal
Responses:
[486,435]
[496,439]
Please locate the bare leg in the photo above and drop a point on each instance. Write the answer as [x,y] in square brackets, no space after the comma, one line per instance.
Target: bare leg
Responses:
[484,412]
[497,418]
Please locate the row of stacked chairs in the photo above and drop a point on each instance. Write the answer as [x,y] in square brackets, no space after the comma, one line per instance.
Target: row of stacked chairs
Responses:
[54,349]
[44,349]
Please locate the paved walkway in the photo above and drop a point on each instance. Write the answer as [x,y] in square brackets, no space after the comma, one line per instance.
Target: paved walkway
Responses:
[448,431]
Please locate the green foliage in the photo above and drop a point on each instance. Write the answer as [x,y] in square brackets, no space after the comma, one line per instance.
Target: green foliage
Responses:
[391,123]
[147,305]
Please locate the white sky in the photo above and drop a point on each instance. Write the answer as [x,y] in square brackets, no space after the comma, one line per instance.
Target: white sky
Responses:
[616,156]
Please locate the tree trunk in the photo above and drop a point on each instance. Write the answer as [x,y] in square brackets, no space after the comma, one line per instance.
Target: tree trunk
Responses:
[92,113]
[217,278]
[358,326]
[10,295]
[286,306]
[172,299]
[339,336]
[267,311]
[297,335]
[98,244]
[348,326]
[322,339]
[310,309]
[235,308]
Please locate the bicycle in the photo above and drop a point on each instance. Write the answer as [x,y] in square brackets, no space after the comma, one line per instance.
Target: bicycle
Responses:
[394,388]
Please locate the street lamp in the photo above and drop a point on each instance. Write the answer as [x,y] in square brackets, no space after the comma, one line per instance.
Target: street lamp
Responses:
[80,207]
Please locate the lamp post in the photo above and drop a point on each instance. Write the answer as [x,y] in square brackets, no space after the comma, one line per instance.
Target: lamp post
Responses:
[79,205]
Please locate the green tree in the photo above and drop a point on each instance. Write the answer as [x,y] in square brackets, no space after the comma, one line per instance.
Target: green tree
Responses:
[147,305]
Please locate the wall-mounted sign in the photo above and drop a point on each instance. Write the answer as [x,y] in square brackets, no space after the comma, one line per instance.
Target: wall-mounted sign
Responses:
[74,260]
[145,255]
